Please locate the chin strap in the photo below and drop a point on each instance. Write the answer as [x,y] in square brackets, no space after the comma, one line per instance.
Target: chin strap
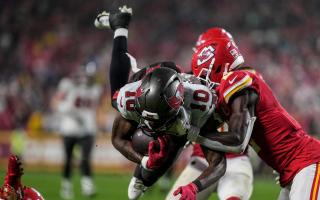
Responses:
[193,136]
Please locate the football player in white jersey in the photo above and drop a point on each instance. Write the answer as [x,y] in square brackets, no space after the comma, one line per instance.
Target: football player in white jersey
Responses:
[165,104]
[75,102]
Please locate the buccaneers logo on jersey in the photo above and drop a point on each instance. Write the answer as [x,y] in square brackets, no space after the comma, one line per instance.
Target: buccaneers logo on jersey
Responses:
[176,100]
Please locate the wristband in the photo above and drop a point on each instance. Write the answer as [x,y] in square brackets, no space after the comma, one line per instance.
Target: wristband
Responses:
[144,163]
[198,184]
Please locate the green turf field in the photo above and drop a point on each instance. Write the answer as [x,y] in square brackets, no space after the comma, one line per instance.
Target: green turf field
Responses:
[114,187]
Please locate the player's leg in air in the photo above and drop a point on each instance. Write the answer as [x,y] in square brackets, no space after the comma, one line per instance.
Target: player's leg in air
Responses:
[12,188]
[120,63]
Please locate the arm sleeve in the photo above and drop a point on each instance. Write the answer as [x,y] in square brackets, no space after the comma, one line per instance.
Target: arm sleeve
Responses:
[120,64]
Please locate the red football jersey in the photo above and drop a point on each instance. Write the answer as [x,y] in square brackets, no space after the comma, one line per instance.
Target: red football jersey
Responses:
[276,137]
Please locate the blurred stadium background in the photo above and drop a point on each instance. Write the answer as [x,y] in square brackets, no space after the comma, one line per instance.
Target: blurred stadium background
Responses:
[42,41]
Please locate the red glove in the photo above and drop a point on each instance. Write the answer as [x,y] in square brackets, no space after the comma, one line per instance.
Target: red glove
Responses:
[157,154]
[188,192]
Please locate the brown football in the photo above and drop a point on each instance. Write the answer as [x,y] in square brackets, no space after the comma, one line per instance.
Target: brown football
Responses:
[140,141]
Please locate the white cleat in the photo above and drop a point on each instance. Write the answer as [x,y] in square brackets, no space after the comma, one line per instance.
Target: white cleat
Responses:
[102,20]
[136,188]
[66,191]
[125,9]
[87,187]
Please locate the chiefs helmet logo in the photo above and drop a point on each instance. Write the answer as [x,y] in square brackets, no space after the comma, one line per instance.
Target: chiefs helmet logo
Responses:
[205,55]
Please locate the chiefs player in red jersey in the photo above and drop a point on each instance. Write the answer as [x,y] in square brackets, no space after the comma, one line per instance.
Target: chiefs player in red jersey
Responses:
[237,182]
[12,188]
[253,113]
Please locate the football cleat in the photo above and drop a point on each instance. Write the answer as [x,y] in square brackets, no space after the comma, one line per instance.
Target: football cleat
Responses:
[87,187]
[66,191]
[102,20]
[114,21]
[136,188]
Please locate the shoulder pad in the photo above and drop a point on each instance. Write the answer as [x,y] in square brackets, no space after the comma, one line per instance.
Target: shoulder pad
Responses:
[125,100]
[234,82]
[200,102]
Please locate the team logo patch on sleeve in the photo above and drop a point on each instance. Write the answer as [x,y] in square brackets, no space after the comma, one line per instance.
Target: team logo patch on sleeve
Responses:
[236,86]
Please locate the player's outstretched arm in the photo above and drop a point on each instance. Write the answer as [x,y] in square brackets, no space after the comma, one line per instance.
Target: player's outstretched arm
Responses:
[122,131]
[240,126]
[215,170]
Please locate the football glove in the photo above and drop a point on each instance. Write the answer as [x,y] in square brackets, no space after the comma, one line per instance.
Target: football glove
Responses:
[156,154]
[187,192]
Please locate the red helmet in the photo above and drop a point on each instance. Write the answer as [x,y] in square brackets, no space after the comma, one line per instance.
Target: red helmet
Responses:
[30,193]
[211,34]
[215,58]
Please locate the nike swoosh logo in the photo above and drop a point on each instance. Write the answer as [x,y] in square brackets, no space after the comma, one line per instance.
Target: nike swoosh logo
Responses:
[231,81]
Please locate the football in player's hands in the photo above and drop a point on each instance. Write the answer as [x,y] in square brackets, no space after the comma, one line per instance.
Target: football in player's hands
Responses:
[141,140]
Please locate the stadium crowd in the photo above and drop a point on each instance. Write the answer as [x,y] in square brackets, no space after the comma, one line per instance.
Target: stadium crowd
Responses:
[43,41]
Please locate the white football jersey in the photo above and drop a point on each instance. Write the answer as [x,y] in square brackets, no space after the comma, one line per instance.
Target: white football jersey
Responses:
[198,105]
[77,109]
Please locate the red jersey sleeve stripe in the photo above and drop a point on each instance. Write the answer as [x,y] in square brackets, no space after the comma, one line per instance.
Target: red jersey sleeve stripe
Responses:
[315,184]
[237,86]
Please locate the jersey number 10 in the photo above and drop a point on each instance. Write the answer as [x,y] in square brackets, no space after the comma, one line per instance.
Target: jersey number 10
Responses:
[201,96]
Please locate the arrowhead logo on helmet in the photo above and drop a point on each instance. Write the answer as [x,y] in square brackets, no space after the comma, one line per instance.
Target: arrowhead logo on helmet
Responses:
[205,55]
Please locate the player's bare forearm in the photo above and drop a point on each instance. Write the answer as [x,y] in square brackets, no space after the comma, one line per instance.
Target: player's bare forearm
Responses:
[240,126]
[215,170]
[237,129]
[122,131]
